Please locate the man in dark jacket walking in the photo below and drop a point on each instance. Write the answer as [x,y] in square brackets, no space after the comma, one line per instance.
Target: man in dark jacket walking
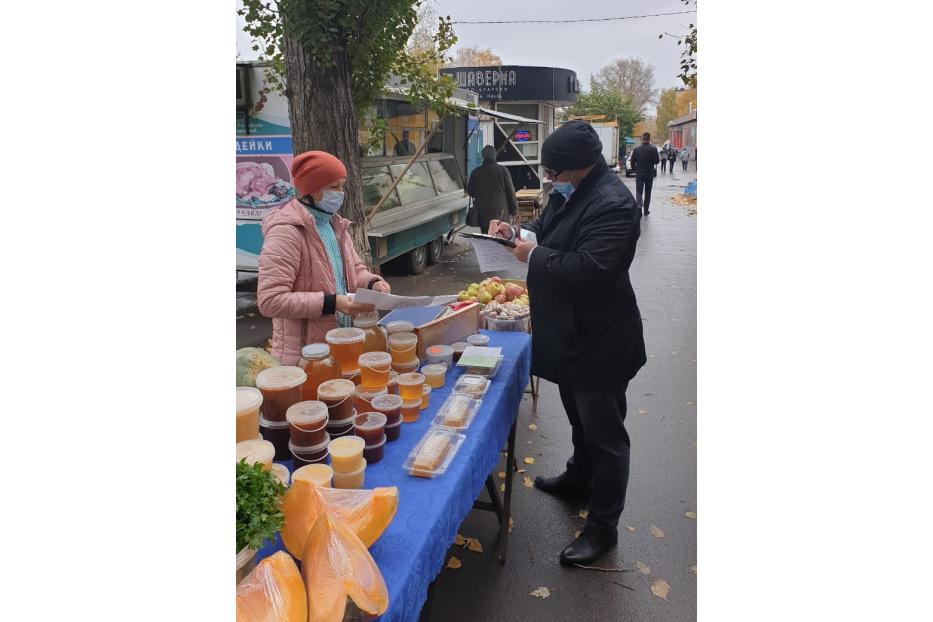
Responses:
[491,187]
[587,328]
[644,159]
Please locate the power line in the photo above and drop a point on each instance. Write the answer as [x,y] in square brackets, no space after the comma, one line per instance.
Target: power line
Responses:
[572,21]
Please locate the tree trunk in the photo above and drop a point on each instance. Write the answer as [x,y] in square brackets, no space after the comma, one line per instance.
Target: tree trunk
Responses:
[323,118]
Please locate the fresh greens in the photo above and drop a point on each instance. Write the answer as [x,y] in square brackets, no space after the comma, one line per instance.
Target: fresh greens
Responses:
[258,505]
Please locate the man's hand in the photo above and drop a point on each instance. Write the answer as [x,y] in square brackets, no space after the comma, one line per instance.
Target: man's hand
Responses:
[522,250]
[382,286]
[346,305]
[500,228]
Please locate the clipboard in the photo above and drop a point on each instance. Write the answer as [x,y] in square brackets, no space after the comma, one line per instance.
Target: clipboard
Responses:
[483,236]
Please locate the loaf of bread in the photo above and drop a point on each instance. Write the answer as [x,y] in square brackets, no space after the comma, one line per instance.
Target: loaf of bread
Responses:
[431,453]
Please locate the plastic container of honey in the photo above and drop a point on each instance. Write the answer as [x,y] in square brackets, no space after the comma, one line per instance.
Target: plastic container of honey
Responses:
[399,326]
[346,453]
[248,402]
[370,426]
[403,347]
[458,348]
[390,406]
[320,367]
[363,397]
[411,410]
[434,374]
[276,432]
[302,456]
[425,396]
[353,479]
[340,430]
[346,345]
[392,387]
[318,474]
[409,385]
[281,472]
[254,451]
[307,422]
[280,387]
[478,340]
[375,368]
[338,395]
[393,431]
[405,368]
[440,354]
[374,453]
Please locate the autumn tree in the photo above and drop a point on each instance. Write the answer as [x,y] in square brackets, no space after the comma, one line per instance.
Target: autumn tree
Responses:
[331,59]
[667,110]
[686,101]
[648,124]
[688,54]
[600,100]
[630,77]
[472,56]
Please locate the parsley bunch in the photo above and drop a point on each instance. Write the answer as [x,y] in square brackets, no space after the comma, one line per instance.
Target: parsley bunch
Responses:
[258,505]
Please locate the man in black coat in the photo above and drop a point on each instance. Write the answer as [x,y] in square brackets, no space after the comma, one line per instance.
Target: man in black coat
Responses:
[491,187]
[644,159]
[587,328]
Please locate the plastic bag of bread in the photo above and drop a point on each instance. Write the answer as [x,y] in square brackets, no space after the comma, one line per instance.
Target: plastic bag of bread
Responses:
[272,592]
[434,452]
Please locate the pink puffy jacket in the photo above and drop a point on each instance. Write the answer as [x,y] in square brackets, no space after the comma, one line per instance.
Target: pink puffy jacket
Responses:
[294,275]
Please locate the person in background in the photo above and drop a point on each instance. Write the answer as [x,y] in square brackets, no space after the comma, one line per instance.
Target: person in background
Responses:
[308,266]
[671,157]
[622,155]
[586,239]
[684,157]
[663,157]
[404,146]
[492,190]
[644,160]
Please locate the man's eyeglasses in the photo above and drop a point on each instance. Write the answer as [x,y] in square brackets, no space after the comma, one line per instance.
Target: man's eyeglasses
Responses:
[552,174]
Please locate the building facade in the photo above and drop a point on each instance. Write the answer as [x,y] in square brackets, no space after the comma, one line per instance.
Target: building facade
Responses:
[683,132]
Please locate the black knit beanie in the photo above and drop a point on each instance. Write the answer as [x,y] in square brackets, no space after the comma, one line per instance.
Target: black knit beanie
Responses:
[574,145]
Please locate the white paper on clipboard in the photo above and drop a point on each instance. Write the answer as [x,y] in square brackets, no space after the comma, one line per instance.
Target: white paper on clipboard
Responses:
[494,257]
[387,302]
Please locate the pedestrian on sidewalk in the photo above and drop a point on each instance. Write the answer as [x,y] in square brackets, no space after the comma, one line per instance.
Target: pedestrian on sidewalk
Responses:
[586,239]
[684,157]
[491,187]
[644,160]
[308,265]
[663,157]
[671,158]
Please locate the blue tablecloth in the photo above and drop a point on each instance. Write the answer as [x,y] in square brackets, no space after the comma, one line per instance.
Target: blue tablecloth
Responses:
[411,551]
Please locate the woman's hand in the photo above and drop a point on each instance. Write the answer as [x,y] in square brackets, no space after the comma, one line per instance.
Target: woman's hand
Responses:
[346,305]
[382,286]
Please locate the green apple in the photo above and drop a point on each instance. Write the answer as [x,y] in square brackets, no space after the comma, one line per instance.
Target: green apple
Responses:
[484,297]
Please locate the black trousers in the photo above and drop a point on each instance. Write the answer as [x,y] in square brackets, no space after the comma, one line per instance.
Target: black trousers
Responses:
[600,450]
[664,166]
[671,162]
[685,164]
[643,184]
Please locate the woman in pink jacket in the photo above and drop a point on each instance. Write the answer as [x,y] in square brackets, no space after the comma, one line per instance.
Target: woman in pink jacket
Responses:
[308,266]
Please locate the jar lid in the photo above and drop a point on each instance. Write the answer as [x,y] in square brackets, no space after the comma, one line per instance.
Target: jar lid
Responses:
[335,389]
[272,425]
[310,412]
[375,359]
[247,398]
[478,340]
[369,421]
[366,320]
[402,339]
[283,377]
[313,473]
[388,401]
[347,445]
[370,392]
[315,351]
[343,336]
[311,448]
[400,326]
[411,378]
[254,451]
[281,471]
[440,350]
[434,369]
[460,346]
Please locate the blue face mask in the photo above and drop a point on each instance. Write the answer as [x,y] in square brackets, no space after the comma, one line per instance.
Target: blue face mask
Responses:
[331,201]
[564,187]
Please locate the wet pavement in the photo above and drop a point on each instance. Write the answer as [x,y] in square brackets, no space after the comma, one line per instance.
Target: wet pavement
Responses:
[661,421]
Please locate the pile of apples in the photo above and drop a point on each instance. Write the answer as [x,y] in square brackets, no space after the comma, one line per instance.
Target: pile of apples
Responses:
[493,289]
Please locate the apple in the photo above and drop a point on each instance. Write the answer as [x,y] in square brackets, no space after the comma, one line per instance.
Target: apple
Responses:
[496,279]
[484,297]
[501,299]
[463,296]
[513,291]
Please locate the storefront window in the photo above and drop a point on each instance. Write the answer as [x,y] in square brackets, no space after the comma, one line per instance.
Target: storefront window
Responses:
[416,185]
[445,175]
[529,150]
[376,181]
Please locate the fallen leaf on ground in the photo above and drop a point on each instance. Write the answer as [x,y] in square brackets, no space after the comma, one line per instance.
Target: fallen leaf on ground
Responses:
[576,534]
[630,528]
[529,460]
[530,443]
[693,568]
[501,474]
[459,540]
[692,515]
[642,412]
[521,471]
[455,563]
[640,567]
[501,487]
[583,513]
[660,588]
[657,533]
[532,427]
[511,524]
[526,481]
[541,592]
[474,545]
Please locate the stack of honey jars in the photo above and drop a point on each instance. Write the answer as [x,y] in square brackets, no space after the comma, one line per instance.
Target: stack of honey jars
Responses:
[308,436]
[281,388]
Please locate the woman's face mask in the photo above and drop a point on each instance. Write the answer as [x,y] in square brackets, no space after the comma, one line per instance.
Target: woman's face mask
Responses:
[331,201]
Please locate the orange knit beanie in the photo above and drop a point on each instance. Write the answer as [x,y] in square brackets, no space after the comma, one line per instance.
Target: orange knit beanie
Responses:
[312,170]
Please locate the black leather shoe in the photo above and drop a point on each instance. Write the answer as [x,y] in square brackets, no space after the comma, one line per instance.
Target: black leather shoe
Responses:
[587,548]
[647,212]
[562,486]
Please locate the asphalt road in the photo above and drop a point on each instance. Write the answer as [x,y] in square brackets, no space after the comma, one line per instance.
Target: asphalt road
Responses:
[662,486]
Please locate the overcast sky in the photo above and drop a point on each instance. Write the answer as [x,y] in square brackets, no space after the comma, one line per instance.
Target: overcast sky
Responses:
[581,47]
